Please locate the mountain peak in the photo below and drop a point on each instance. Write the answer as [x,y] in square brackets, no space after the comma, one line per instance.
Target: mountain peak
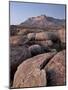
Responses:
[42,21]
[43,15]
[38,17]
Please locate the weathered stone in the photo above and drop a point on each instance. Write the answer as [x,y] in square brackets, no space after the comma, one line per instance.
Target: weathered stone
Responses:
[47,43]
[30,74]
[36,77]
[31,36]
[61,34]
[55,70]
[41,36]
[18,55]
[53,36]
[35,49]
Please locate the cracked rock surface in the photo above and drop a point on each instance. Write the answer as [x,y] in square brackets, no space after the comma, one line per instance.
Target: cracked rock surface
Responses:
[30,74]
[56,70]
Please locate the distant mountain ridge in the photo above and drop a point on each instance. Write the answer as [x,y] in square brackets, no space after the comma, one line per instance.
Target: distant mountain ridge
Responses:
[43,21]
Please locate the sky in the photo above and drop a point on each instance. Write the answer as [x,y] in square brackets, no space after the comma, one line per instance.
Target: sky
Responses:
[21,11]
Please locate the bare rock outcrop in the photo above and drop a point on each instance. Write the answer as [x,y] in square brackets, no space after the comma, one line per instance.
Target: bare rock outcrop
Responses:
[41,36]
[35,49]
[17,56]
[55,70]
[31,36]
[61,34]
[30,74]
[47,43]
[39,49]
[48,39]
[46,36]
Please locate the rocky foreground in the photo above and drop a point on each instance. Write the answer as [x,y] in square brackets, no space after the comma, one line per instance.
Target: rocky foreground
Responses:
[32,72]
[37,57]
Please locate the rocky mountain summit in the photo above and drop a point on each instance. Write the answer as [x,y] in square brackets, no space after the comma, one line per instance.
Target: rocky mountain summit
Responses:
[38,52]
[43,21]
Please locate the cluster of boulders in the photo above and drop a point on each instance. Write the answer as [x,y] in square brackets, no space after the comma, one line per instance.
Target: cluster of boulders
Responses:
[42,70]
[37,59]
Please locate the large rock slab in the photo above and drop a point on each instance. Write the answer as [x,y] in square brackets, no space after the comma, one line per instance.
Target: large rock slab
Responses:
[36,77]
[30,74]
[17,55]
[55,70]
